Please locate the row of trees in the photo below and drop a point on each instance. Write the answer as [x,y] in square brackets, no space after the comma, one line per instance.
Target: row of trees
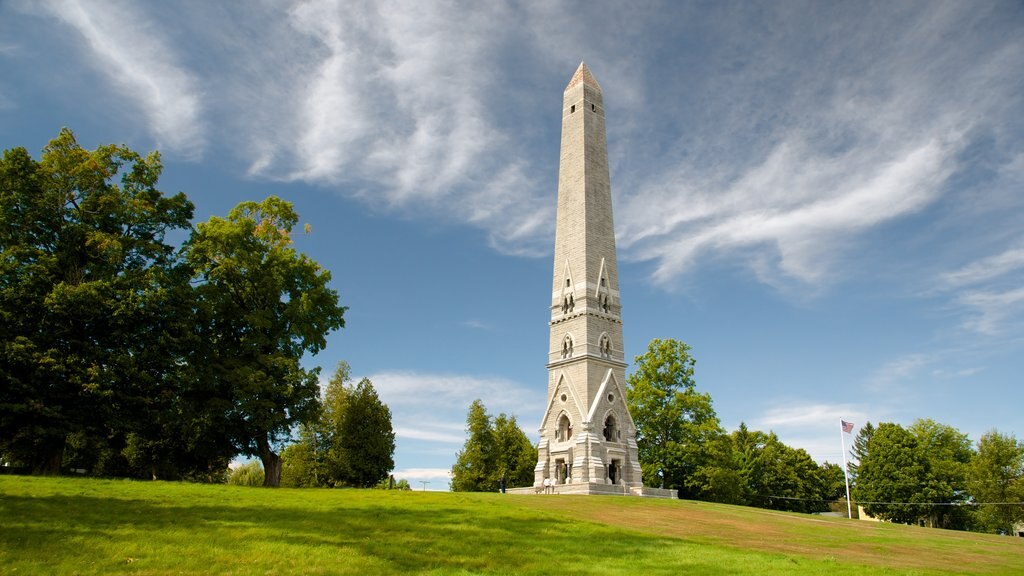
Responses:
[496,448]
[929,474]
[682,444]
[125,354]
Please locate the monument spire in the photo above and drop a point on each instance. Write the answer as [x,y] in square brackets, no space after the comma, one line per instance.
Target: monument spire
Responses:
[583,75]
[588,439]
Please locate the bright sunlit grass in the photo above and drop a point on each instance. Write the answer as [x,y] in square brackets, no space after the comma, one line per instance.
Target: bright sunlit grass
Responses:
[82,526]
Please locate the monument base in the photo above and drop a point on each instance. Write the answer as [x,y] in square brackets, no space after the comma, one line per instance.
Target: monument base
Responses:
[591,488]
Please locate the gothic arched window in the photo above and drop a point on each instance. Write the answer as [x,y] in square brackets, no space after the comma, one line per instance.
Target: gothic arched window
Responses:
[564,431]
[611,432]
[567,347]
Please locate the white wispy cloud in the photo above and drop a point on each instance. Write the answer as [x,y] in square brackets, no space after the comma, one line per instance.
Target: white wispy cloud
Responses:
[991,312]
[799,415]
[477,324]
[418,474]
[987,268]
[128,49]
[781,147]
[419,433]
[453,393]
[394,106]
[895,374]
[807,142]
[827,203]
[813,427]
[987,290]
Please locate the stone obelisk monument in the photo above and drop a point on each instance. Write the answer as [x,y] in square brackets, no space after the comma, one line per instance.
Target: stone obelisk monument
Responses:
[587,437]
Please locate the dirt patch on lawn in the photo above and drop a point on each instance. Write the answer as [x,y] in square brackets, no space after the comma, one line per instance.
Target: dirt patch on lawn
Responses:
[870,543]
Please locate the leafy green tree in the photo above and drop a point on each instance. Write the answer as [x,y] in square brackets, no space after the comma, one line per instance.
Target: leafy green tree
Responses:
[474,465]
[93,301]
[996,480]
[495,448]
[892,474]
[516,456]
[717,478]
[832,484]
[949,453]
[350,443]
[302,463]
[262,307]
[779,477]
[679,437]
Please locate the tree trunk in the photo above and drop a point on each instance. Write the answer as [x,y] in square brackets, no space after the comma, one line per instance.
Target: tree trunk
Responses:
[271,462]
[49,463]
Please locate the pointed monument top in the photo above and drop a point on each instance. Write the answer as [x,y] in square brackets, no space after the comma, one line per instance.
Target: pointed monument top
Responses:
[583,75]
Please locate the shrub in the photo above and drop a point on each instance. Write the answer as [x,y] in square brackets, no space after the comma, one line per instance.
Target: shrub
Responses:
[250,474]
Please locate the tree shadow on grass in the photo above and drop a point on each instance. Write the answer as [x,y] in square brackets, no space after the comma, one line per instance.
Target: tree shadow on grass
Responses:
[86,534]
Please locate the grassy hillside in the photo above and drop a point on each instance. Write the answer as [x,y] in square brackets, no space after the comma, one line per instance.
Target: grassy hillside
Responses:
[80,526]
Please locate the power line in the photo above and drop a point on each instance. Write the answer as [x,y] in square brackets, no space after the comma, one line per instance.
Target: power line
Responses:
[834,500]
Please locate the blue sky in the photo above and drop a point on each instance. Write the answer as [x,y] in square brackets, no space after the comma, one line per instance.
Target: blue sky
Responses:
[825,200]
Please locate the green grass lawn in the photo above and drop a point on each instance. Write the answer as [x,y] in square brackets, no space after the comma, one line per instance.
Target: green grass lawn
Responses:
[83,526]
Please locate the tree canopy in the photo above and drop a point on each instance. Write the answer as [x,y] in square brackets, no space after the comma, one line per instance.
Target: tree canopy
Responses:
[678,435]
[351,443]
[111,359]
[495,448]
[91,297]
[264,306]
[996,480]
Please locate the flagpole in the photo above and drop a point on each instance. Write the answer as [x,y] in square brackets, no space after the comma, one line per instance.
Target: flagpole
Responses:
[846,475]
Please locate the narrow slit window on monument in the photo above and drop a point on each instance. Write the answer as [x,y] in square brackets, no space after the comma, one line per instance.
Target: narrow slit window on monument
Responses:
[593,108]
[566,282]
[572,109]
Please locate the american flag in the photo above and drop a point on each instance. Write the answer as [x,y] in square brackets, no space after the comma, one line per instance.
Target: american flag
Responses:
[847,426]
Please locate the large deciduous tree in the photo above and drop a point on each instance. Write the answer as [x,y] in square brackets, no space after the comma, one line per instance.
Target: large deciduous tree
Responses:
[892,475]
[262,307]
[677,428]
[949,453]
[93,301]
